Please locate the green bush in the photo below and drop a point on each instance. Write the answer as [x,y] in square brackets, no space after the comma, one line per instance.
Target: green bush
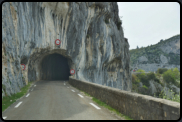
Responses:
[135,88]
[140,70]
[143,78]
[151,76]
[145,87]
[169,76]
[175,98]
[135,79]
[157,80]
[161,70]
[176,73]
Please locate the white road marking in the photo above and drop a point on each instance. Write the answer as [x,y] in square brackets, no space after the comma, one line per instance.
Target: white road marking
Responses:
[34,85]
[27,95]
[18,104]
[80,95]
[5,117]
[95,106]
[67,87]
[73,90]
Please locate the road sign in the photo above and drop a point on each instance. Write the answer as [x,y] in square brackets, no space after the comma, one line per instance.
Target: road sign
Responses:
[57,42]
[72,71]
[23,66]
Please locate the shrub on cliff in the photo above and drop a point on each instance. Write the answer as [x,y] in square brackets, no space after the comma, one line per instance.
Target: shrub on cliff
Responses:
[143,78]
[152,76]
[140,70]
[169,76]
[176,73]
[172,76]
[135,79]
[145,87]
[161,70]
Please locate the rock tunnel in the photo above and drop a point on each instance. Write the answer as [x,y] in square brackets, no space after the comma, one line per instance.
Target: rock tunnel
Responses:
[45,64]
[55,67]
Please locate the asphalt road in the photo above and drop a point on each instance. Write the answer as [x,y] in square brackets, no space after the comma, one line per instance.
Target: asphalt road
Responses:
[56,100]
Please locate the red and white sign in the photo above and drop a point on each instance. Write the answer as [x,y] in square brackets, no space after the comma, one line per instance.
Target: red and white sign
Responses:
[57,42]
[72,71]
[23,66]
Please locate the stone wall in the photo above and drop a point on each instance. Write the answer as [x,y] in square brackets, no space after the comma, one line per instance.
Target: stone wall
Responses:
[134,105]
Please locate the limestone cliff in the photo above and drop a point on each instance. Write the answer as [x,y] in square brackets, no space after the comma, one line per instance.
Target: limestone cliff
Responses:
[91,35]
[165,54]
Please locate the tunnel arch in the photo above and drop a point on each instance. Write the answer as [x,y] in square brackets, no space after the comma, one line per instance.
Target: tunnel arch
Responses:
[54,67]
[36,59]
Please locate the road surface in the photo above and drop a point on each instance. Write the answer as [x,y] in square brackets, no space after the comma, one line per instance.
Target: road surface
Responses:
[56,100]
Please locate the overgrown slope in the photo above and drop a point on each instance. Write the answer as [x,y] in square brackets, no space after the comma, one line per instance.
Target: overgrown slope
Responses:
[164,54]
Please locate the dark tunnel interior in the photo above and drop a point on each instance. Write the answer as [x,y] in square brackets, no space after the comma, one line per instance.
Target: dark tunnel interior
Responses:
[55,67]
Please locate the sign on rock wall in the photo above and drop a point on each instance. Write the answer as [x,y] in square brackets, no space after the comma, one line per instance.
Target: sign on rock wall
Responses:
[23,66]
[72,71]
[57,42]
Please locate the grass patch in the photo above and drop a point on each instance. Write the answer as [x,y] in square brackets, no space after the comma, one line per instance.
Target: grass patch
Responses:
[84,92]
[6,99]
[110,108]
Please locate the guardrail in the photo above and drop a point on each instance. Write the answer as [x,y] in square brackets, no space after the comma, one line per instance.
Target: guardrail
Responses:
[134,105]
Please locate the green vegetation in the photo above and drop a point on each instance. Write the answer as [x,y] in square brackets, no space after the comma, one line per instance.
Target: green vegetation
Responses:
[6,101]
[175,98]
[145,87]
[153,52]
[161,70]
[110,108]
[140,70]
[169,76]
[143,77]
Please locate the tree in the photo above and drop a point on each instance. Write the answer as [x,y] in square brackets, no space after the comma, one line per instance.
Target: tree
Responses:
[161,70]
[176,73]
[140,70]
[169,76]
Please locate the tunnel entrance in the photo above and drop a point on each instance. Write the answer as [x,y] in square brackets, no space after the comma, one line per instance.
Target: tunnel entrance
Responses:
[55,67]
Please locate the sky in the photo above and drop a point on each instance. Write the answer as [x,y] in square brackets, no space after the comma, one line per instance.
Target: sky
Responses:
[146,23]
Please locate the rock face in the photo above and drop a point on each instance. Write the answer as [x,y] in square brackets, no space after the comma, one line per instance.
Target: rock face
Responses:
[92,43]
[165,54]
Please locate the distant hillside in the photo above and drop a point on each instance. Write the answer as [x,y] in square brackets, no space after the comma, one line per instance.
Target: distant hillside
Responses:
[164,54]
